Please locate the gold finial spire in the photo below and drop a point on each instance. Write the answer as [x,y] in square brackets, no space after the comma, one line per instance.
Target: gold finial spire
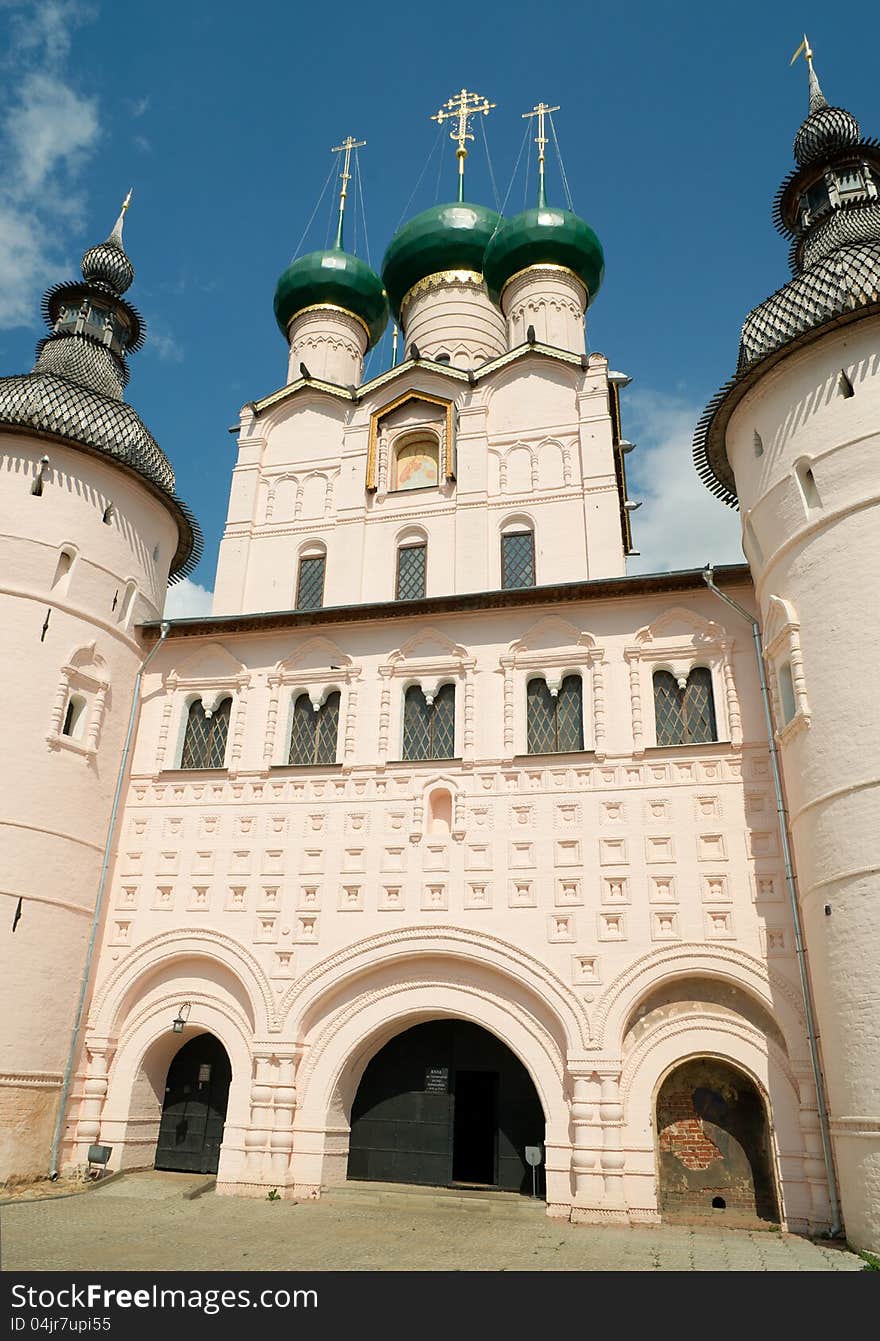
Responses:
[462,107]
[345,148]
[817,97]
[542,110]
[127,201]
[116,234]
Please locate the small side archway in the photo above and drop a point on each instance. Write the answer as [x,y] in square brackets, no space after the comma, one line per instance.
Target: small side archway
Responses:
[194,1107]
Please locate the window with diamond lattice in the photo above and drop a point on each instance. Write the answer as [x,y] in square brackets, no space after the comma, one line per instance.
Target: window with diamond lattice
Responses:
[310,586]
[684,715]
[313,734]
[518,559]
[204,745]
[555,724]
[429,728]
[411,567]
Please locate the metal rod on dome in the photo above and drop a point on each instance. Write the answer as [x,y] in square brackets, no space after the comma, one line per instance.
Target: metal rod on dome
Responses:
[461,108]
[543,109]
[346,147]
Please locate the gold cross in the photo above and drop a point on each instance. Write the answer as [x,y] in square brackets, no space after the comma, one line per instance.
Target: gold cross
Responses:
[462,107]
[806,49]
[543,109]
[346,147]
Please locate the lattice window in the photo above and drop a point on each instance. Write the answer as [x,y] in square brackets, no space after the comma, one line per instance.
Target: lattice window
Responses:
[313,734]
[518,559]
[555,725]
[429,728]
[411,569]
[684,715]
[310,586]
[204,745]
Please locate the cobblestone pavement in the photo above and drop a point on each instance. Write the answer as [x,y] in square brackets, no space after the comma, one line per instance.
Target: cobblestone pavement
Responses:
[146,1222]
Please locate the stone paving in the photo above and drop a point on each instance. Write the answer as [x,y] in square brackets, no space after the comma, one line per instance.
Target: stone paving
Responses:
[167,1222]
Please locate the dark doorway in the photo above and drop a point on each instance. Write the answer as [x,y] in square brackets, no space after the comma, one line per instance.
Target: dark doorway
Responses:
[442,1103]
[714,1145]
[194,1111]
[474,1128]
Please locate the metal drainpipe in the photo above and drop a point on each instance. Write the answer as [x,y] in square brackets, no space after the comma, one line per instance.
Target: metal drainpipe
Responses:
[99,903]
[822,1103]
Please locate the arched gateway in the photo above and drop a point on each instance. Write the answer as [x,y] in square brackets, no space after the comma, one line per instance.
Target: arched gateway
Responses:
[714,1148]
[194,1109]
[445,1103]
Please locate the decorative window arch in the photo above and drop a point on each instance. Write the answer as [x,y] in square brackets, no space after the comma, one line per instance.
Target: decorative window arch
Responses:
[678,642]
[423,414]
[554,717]
[207,733]
[208,675]
[428,723]
[785,663]
[568,662]
[314,730]
[428,662]
[310,576]
[684,707]
[517,543]
[411,569]
[316,670]
[415,460]
[80,703]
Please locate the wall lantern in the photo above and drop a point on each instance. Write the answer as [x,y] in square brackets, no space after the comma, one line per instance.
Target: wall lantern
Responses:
[181,1018]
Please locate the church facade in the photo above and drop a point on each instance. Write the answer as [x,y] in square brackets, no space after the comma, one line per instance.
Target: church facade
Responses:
[445,852]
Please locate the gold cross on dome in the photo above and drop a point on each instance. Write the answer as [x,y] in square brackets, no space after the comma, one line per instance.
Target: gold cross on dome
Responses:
[542,110]
[345,148]
[461,107]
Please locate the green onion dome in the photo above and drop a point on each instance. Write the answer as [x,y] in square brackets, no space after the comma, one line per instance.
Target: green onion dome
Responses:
[544,236]
[446,237]
[333,278]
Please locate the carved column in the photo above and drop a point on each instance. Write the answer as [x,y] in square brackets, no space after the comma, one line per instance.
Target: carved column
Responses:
[586,1139]
[635,698]
[256,1137]
[612,1159]
[284,1108]
[274,682]
[384,714]
[596,667]
[350,741]
[238,728]
[165,723]
[468,751]
[56,720]
[88,1127]
[507,666]
[734,717]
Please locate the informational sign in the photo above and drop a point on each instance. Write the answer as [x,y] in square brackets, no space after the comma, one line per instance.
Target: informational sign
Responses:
[436,1079]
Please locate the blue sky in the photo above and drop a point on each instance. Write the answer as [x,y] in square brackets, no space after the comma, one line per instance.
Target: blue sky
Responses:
[676,125]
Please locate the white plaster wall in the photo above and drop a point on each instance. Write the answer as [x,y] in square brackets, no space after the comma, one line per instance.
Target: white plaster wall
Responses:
[568,887]
[824,561]
[55,800]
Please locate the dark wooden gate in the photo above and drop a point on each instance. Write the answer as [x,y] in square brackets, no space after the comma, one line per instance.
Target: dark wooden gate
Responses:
[194,1111]
[445,1103]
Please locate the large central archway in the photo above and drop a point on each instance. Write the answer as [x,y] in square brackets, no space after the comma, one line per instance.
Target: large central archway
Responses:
[446,1103]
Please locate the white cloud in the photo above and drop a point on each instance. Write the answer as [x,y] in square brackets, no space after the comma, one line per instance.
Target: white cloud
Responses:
[680,525]
[47,131]
[187,599]
[162,343]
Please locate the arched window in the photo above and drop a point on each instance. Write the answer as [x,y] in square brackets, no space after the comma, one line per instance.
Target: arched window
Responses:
[417,462]
[75,717]
[204,745]
[310,579]
[684,713]
[429,728]
[412,564]
[555,724]
[518,558]
[313,734]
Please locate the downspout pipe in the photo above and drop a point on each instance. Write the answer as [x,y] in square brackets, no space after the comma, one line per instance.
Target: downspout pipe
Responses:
[821,1098]
[99,902]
